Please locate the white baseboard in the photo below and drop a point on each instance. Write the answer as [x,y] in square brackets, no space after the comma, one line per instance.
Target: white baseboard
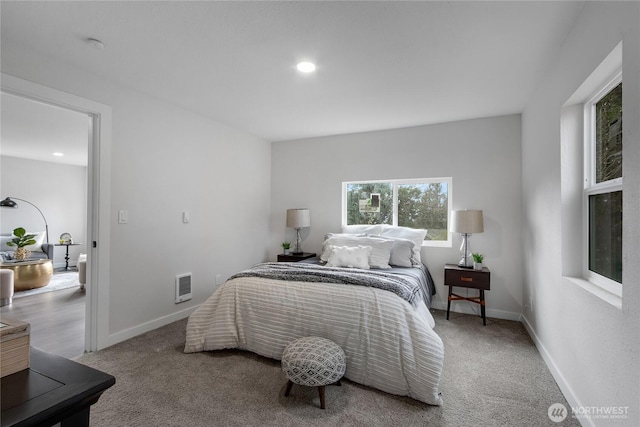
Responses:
[566,389]
[146,327]
[475,310]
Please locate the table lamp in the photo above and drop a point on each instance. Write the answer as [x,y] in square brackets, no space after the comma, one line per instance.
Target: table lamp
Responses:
[298,218]
[466,223]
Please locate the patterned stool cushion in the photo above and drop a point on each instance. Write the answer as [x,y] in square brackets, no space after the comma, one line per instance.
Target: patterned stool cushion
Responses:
[313,361]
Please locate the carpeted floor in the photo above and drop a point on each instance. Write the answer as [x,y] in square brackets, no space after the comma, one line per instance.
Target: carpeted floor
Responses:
[493,376]
[60,280]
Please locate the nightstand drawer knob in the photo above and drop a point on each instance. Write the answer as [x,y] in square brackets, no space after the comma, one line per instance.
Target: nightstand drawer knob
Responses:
[466,279]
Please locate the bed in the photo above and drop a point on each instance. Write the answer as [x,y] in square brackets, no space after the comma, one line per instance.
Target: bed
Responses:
[385,330]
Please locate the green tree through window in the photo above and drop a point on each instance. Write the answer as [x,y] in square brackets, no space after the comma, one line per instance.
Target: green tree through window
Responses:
[421,203]
[608,144]
[358,192]
[605,205]
[424,206]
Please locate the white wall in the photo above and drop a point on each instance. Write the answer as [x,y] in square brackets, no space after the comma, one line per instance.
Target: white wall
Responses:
[483,158]
[591,346]
[165,160]
[60,191]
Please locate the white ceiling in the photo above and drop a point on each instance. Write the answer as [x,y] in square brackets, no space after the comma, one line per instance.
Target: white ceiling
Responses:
[35,131]
[380,65]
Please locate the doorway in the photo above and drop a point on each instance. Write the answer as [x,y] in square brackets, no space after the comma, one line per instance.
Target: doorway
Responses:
[44,158]
[97,198]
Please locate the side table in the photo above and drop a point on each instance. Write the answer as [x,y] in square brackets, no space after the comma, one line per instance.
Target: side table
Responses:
[295,258]
[455,275]
[66,256]
[52,390]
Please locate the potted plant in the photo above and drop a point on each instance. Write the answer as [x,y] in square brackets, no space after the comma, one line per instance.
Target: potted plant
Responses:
[477,261]
[286,246]
[21,240]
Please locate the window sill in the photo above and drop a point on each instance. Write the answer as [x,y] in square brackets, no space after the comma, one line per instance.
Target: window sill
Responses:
[592,288]
[437,244]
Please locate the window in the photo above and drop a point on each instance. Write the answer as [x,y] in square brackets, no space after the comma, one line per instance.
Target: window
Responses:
[415,203]
[603,186]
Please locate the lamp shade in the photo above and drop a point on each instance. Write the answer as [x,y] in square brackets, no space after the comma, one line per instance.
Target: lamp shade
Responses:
[8,203]
[467,221]
[298,218]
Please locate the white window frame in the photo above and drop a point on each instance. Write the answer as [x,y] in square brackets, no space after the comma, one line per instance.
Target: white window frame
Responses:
[591,187]
[396,183]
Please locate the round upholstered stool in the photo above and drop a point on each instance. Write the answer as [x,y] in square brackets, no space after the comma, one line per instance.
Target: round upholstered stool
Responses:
[6,287]
[313,362]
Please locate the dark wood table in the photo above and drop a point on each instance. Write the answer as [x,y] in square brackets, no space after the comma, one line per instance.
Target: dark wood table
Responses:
[53,390]
[295,257]
[66,255]
[455,275]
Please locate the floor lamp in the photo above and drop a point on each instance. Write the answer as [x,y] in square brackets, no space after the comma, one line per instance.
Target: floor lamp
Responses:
[298,218]
[466,223]
[9,203]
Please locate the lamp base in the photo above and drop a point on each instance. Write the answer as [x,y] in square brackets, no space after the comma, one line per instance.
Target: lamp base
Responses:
[298,249]
[465,261]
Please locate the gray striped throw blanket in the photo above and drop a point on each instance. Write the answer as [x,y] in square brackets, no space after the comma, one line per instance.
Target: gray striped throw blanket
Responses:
[302,272]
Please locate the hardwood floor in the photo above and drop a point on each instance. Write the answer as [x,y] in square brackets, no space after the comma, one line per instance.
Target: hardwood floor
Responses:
[56,319]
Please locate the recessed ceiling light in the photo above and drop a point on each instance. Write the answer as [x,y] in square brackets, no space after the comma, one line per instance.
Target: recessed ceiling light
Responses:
[95,43]
[306,67]
[57,154]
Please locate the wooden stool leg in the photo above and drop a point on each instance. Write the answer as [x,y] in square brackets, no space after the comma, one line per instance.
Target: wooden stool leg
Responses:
[288,390]
[321,391]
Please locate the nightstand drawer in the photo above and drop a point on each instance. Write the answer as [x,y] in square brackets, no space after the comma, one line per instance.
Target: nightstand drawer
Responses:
[467,278]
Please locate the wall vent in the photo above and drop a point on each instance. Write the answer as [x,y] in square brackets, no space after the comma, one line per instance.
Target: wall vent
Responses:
[183,287]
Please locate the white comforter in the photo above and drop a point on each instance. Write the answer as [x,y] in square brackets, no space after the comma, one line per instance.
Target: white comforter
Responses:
[389,343]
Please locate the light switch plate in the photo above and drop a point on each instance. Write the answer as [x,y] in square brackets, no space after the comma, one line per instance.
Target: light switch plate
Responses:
[123,216]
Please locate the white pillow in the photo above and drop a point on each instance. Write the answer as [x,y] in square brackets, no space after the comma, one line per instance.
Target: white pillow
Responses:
[401,251]
[352,257]
[362,229]
[380,248]
[413,234]
[330,235]
[37,246]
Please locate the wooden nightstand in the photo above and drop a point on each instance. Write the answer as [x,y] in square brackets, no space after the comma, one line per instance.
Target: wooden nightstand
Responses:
[295,258]
[467,278]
